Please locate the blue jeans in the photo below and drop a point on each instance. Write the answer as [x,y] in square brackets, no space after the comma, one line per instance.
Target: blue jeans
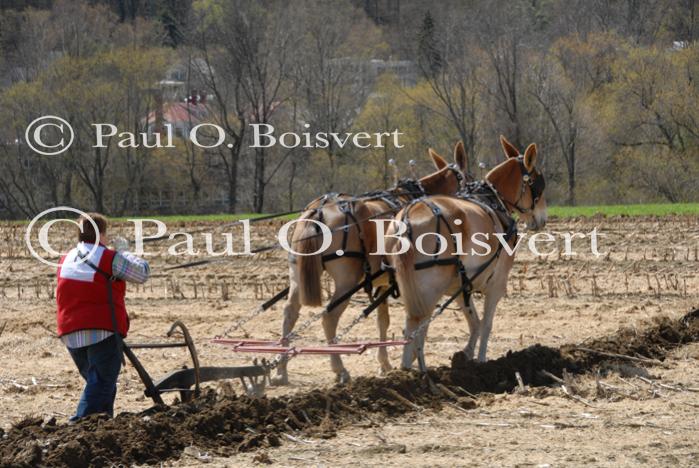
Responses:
[99,364]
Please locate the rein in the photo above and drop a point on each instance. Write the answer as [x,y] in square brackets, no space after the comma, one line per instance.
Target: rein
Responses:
[369,196]
[411,189]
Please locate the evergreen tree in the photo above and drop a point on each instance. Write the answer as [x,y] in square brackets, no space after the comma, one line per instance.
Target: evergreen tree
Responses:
[429,58]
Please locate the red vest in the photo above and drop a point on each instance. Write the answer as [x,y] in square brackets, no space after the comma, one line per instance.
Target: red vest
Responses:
[81,294]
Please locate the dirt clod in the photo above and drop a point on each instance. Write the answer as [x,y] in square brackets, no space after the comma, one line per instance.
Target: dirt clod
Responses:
[226,424]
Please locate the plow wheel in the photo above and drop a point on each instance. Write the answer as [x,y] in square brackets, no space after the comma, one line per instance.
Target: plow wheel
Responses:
[186,395]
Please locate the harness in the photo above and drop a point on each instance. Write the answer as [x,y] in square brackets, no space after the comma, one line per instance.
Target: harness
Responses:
[393,198]
[460,178]
[347,207]
[405,191]
[483,194]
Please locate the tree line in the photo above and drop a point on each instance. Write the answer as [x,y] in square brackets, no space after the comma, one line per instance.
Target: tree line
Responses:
[607,89]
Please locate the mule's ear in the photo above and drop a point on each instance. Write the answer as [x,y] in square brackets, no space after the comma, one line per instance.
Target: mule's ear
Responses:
[438,161]
[460,157]
[508,148]
[530,157]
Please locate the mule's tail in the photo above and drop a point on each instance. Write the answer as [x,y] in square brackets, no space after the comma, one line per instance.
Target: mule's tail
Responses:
[310,267]
[410,292]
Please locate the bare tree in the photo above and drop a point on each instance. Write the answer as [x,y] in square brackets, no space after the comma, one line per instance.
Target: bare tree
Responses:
[332,70]
[450,68]
[639,20]
[262,45]
[508,33]
[216,65]
[558,99]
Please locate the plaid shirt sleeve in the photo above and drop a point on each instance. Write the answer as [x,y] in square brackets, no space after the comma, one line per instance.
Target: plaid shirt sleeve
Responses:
[82,338]
[128,267]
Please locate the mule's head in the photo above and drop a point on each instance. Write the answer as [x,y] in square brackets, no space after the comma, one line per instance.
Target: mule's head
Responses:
[521,184]
[449,178]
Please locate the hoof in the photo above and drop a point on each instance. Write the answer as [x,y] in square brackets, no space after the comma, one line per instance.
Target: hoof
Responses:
[279,380]
[385,369]
[343,377]
[255,390]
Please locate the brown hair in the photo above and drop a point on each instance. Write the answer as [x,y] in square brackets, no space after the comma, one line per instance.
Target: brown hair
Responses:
[86,233]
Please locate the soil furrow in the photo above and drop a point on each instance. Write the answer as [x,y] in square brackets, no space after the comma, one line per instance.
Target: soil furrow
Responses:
[225,425]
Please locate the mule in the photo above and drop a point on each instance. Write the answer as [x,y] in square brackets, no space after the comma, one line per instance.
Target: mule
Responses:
[356,241]
[513,186]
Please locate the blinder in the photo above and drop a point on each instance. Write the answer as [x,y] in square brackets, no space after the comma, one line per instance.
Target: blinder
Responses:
[536,184]
[411,187]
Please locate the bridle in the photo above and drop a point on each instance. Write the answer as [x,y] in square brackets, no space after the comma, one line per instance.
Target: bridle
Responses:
[536,185]
[458,174]
[456,170]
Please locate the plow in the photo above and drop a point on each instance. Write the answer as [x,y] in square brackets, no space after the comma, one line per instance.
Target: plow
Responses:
[255,377]
[187,381]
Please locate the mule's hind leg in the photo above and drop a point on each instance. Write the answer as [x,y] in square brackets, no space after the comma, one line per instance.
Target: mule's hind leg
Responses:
[492,298]
[430,289]
[410,348]
[383,321]
[474,325]
[415,348]
[420,339]
[291,315]
[330,321]
[345,279]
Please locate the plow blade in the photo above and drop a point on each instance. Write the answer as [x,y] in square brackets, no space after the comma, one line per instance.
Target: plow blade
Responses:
[185,378]
[274,347]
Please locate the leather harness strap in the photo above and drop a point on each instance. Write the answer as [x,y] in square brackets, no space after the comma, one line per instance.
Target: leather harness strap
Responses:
[348,208]
[471,196]
[410,188]
[395,199]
